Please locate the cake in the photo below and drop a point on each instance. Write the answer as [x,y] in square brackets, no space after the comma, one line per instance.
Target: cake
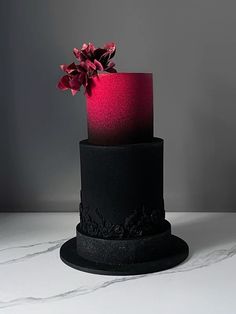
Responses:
[122,228]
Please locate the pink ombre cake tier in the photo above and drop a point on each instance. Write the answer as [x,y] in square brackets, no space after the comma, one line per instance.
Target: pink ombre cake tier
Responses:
[120,108]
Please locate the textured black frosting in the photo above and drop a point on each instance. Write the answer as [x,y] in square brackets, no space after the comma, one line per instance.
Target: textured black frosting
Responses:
[121,190]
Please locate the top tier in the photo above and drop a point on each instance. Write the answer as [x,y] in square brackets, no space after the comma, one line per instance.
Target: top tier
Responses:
[120,109]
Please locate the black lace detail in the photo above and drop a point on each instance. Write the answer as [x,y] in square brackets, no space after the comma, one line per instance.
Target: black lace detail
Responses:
[140,223]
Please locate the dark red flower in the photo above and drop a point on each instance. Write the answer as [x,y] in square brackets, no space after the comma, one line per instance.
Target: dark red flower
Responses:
[91,60]
[72,80]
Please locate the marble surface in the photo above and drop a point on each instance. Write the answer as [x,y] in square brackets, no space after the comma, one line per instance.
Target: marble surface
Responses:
[34,280]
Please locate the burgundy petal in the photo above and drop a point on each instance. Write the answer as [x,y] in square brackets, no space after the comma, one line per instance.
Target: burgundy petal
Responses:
[99,52]
[64,83]
[111,70]
[63,67]
[91,47]
[69,68]
[75,83]
[79,54]
[104,59]
[82,66]
[90,65]
[84,46]
[72,67]
[98,65]
[110,64]
[87,51]
[111,49]
[74,91]
[76,52]
[83,78]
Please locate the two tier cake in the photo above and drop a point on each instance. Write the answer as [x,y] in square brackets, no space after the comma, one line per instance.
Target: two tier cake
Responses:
[122,228]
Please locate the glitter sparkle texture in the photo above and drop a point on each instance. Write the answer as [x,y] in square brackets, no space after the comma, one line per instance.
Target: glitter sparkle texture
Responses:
[120,108]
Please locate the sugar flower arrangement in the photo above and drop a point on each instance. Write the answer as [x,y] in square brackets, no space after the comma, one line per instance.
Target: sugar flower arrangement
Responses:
[90,61]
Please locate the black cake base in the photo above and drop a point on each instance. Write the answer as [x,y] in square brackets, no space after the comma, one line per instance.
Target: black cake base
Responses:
[124,257]
[122,229]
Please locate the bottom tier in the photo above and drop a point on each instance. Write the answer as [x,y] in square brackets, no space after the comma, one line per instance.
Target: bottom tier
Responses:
[121,189]
[124,257]
[122,229]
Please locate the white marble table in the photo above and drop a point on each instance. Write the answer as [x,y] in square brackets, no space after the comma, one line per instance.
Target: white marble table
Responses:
[34,280]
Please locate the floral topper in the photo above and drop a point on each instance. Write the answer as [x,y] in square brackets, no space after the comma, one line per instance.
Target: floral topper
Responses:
[91,60]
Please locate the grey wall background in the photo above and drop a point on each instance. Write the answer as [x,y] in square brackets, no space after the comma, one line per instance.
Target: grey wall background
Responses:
[190,46]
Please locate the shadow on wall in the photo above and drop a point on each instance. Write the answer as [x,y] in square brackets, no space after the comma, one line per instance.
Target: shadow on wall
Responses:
[42,124]
[214,130]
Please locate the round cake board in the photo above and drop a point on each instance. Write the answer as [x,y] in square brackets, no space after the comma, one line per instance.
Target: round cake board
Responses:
[176,252]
